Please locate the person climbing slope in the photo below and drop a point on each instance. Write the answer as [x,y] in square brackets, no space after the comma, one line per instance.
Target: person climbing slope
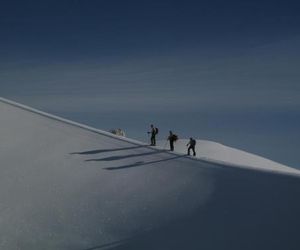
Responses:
[153,132]
[172,138]
[191,146]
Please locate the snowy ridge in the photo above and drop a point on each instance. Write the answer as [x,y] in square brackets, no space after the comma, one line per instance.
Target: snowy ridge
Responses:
[67,186]
[218,153]
[54,117]
[211,152]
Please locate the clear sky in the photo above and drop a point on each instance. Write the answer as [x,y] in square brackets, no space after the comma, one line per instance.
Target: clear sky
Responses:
[226,71]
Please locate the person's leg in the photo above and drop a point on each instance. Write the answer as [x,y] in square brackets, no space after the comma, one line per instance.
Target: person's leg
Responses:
[189,149]
[154,140]
[194,151]
[171,145]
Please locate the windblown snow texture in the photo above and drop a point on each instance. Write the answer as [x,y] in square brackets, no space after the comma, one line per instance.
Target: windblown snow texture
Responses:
[68,186]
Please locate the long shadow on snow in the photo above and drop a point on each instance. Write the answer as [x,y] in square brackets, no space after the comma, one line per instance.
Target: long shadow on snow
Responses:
[98,151]
[121,157]
[142,163]
[248,210]
[108,245]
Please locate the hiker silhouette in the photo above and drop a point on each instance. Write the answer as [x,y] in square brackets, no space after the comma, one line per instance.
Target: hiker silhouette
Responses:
[172,138]
[153,132]
[191,146]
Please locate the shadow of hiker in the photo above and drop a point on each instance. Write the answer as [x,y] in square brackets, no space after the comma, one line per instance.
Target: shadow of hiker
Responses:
[108,245]
[121,157]
[98,151]
[142,163]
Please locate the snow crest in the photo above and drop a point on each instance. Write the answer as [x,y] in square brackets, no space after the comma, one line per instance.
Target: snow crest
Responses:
[219,153]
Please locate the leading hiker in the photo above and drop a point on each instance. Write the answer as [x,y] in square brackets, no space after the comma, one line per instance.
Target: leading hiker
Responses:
[153,132]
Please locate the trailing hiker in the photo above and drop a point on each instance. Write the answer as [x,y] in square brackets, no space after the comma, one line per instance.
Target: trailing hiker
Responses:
[172,138]
[153,132]
[191,146]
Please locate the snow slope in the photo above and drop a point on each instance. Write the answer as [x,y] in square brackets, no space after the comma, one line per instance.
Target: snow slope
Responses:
[64,185]
[218,153]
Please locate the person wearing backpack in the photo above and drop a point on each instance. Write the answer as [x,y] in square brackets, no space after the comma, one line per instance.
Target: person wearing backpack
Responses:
[172,138]
[191,146]
[153,132]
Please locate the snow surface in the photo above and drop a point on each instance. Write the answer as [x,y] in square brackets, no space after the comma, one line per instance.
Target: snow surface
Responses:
[65,185]
[219,153]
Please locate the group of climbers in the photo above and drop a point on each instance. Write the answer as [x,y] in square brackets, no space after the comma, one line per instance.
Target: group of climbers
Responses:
[172,138]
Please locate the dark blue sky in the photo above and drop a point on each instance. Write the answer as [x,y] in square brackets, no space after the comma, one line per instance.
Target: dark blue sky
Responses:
[226,71]
[74,30]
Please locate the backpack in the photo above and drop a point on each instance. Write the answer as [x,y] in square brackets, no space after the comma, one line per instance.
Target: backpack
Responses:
[156,131]
[174,137]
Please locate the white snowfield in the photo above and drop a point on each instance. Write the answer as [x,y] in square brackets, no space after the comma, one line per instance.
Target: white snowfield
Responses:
[218,153]
[65,185]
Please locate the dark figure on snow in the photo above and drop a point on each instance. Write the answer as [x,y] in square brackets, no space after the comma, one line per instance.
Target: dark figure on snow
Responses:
[172,138]
[191,146]
[153,132]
